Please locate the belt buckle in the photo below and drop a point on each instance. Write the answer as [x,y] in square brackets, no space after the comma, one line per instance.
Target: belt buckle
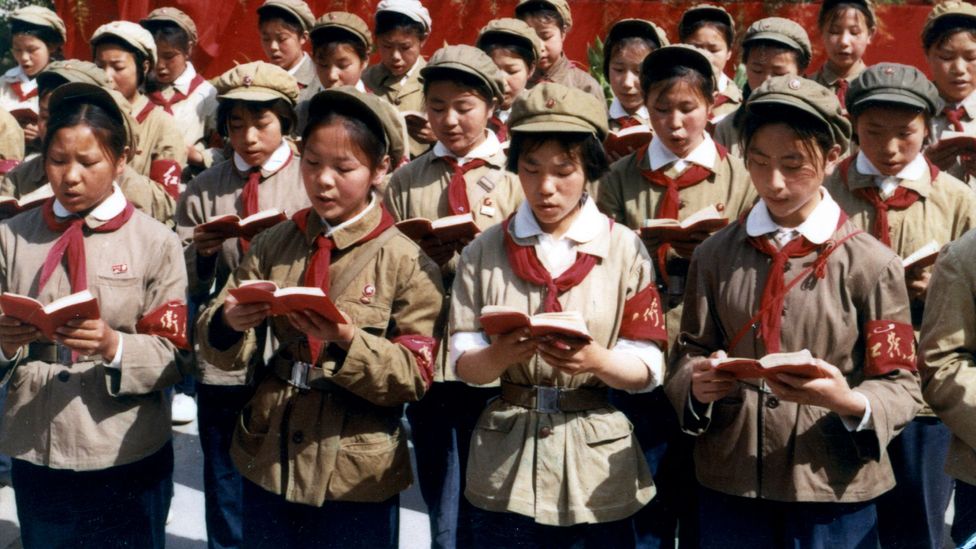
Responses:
[63,353]
[547,400]
[299,375]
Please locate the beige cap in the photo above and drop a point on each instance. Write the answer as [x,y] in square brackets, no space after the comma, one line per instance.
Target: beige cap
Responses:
[550,107]
[627,28]
[777,29]
[704,12]
[560,6]
[170,15]
[346,21]
[660,64]
[466,59]
[57,73]
[948,15]
[894,83]
[411,8]
[130,33]
[257,81]
[110,100]
[375,112]
[507,27]
[296,8]
[807,96]
[37,15]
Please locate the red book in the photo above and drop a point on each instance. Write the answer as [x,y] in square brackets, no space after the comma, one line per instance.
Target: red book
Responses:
[498,320]
[24,117]
[232,226]
[52,316]
[627,140]
[959,140]
[445,229]
[706,220]
[288,300]
[10,206]
[922,257]
[800,363]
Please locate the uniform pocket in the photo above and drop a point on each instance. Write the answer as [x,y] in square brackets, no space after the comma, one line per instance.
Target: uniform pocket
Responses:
[497,446]
[371,468]
[604,428]
[372,317]
[608,466]
[254,421]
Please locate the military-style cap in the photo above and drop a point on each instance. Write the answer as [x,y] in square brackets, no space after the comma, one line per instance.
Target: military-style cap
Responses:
[466,59]
[343,20]
[803,95]
[42,17]
[831,4]
[661,64]
[296,8]
[57,73]
[130,33]
[510,29]
[784,31]
[704,12]
[373,111]
[550,107]
[257,81]
[894,83]
[559,6]
[947,15]
[167,15]
[631,28]
[109,100]
[411,8]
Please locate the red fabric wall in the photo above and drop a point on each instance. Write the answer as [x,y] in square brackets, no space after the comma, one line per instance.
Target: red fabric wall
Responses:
[228,28]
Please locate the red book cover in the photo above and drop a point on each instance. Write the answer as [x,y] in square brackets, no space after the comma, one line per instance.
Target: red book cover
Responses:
[446,229]
[288,300]
[52,316]
[232,226]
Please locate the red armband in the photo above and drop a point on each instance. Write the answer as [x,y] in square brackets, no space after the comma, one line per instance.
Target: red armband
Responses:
[167,173]
[7,165]
[890,346]
[644,319]
[168,321]
[424,350]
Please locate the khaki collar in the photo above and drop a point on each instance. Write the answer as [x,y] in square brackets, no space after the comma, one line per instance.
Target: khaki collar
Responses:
[829,77]
[347,235]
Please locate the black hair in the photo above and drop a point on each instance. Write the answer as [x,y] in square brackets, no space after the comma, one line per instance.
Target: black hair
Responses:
[371,140]
[582,146]
[945,28]
[802,59]
[331,37]
[108,126]
[287,18]
[675,74]
[462,79]
[49,83]
[51,38]
[684,31]
[828,16]
[389,21]
[542,10]
[142,65]
[615,46]
[514,45]
[812,131]
[280,107]
[172,34]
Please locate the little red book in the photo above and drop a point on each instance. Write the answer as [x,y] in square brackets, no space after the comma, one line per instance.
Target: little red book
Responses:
[287,300]
[498,320]
[706,220]
[799,363]
[446,229]
[232,226]
[627,140]
[922,257]
[10,206]
[50,317]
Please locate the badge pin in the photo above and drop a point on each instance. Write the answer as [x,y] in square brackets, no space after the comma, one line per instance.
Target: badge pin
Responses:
[487,210]
[368,292]
[121,268]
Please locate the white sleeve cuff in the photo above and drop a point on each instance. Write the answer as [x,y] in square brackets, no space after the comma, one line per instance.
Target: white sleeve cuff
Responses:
[866,422]
[647,352]
[462,342]
[5,360]
[117,359]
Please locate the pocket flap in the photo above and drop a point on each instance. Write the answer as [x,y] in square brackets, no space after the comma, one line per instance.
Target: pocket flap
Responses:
[601,427]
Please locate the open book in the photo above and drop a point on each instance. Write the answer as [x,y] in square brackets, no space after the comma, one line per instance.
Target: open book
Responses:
[706,220]
[799,363]
[627,140]
[922,257]
[446,229]
[50,317]
[232,226]
[415,117]
[10,206]
[498,319]
[24,117]
[287,300]
[962,140]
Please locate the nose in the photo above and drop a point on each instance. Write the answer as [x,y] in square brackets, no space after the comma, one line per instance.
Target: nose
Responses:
[547,187]
[958,66]
[71,176]
[397,56]
[776,182]
[251,135]
[632,80]
[332,75]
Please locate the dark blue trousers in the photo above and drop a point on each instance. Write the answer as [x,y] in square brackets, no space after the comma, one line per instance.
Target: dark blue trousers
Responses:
[271,522]
[964,521]
[123,506]
[218,408]
[492,530]
[731,522]
[441,425]
[912,514]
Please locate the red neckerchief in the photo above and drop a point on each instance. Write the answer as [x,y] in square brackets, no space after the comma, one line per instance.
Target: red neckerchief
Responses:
[499,128]
[720,100]
[842,86]
[457,189]
[19,90]
[627,122]
[901,199]
[144,113]
[167,104]
[249,196]
[955,116]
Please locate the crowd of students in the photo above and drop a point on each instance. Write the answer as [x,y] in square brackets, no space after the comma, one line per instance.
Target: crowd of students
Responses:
[574,369]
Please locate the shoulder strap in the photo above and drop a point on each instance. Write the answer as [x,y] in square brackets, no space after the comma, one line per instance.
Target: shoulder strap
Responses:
[367,251]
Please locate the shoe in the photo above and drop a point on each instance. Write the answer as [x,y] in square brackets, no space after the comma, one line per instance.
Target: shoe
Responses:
[184,409]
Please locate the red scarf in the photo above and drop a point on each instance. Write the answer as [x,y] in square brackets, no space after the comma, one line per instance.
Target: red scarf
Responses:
[955,116]
[627,122]
[167,104]
[842,86]
[457,189]
[526,265]
[19,90]
[317,271]
[72,243]
[144,113]
[499,128]
[249,200]
[903,198]
[720,100]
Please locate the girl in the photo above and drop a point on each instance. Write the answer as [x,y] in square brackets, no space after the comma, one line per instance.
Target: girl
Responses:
[464,174]
[37,36]
[794,460]
[255,113]
[87,416]
[284,26]
[712,30]
[846,27]
[320,444]
[565,470]
[177,87]
[890,190]
[627,44]
[515,48]
[127,52]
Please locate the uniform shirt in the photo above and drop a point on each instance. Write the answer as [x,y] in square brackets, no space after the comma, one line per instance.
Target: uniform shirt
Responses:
[11,139]
[304,72]
[830,80]
[730,97]
[405,93]
[968,121]
[726,134]
[343,442]
[564,72]
[751,444]
[159,137]
[619,114]
[10,99]
[195,116]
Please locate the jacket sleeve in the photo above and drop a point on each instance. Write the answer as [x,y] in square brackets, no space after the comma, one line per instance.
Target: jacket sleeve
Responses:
[200,271]
[608,193]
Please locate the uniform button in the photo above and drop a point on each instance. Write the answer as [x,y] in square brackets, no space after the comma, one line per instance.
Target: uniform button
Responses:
[396,101]
[545,432]
[63,375]
[720,207]
[681,204]
[297,437]
[772,403]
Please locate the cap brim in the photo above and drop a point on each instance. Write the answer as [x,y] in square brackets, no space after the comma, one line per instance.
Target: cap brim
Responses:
[253,94]
[666,59]
[892,97]
[441,68]
[83,92]
[775,37]
[347,103]
[785,100]
[555,124]
[706,14]
[626,29]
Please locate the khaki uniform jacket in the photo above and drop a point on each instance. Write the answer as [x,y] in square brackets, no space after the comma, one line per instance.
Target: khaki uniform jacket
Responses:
[947,349]
[144,193]
[88,416]
[560,468]
[11,137]
[405,96]
[564,72]
[628,198]
[159,137]
[343,441]
[215,193]
[419,189]
[752,444]
[305,73]
[969,126]
[734,95]
[726,134]
[830,80]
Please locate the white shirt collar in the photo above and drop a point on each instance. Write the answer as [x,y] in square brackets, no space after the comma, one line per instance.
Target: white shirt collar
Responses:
[410,72]
[485,151]
[278,158]
[913,171]
[723,81]
[183,81]
[817,228]
[329,229]
[17,74]
[105,211]
[705,155]
[360,86]
[294,70]
[617,111]
[503,114]
[585,227]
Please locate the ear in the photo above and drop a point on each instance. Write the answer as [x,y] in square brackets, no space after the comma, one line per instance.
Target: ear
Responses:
[303,38]
[120,162]
[832,159]
[379,174]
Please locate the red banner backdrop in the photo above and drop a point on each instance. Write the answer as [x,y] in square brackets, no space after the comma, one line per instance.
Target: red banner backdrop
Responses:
[229,35]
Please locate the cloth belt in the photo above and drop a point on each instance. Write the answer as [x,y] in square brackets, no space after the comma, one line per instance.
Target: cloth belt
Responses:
[554,400]
[55,353]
